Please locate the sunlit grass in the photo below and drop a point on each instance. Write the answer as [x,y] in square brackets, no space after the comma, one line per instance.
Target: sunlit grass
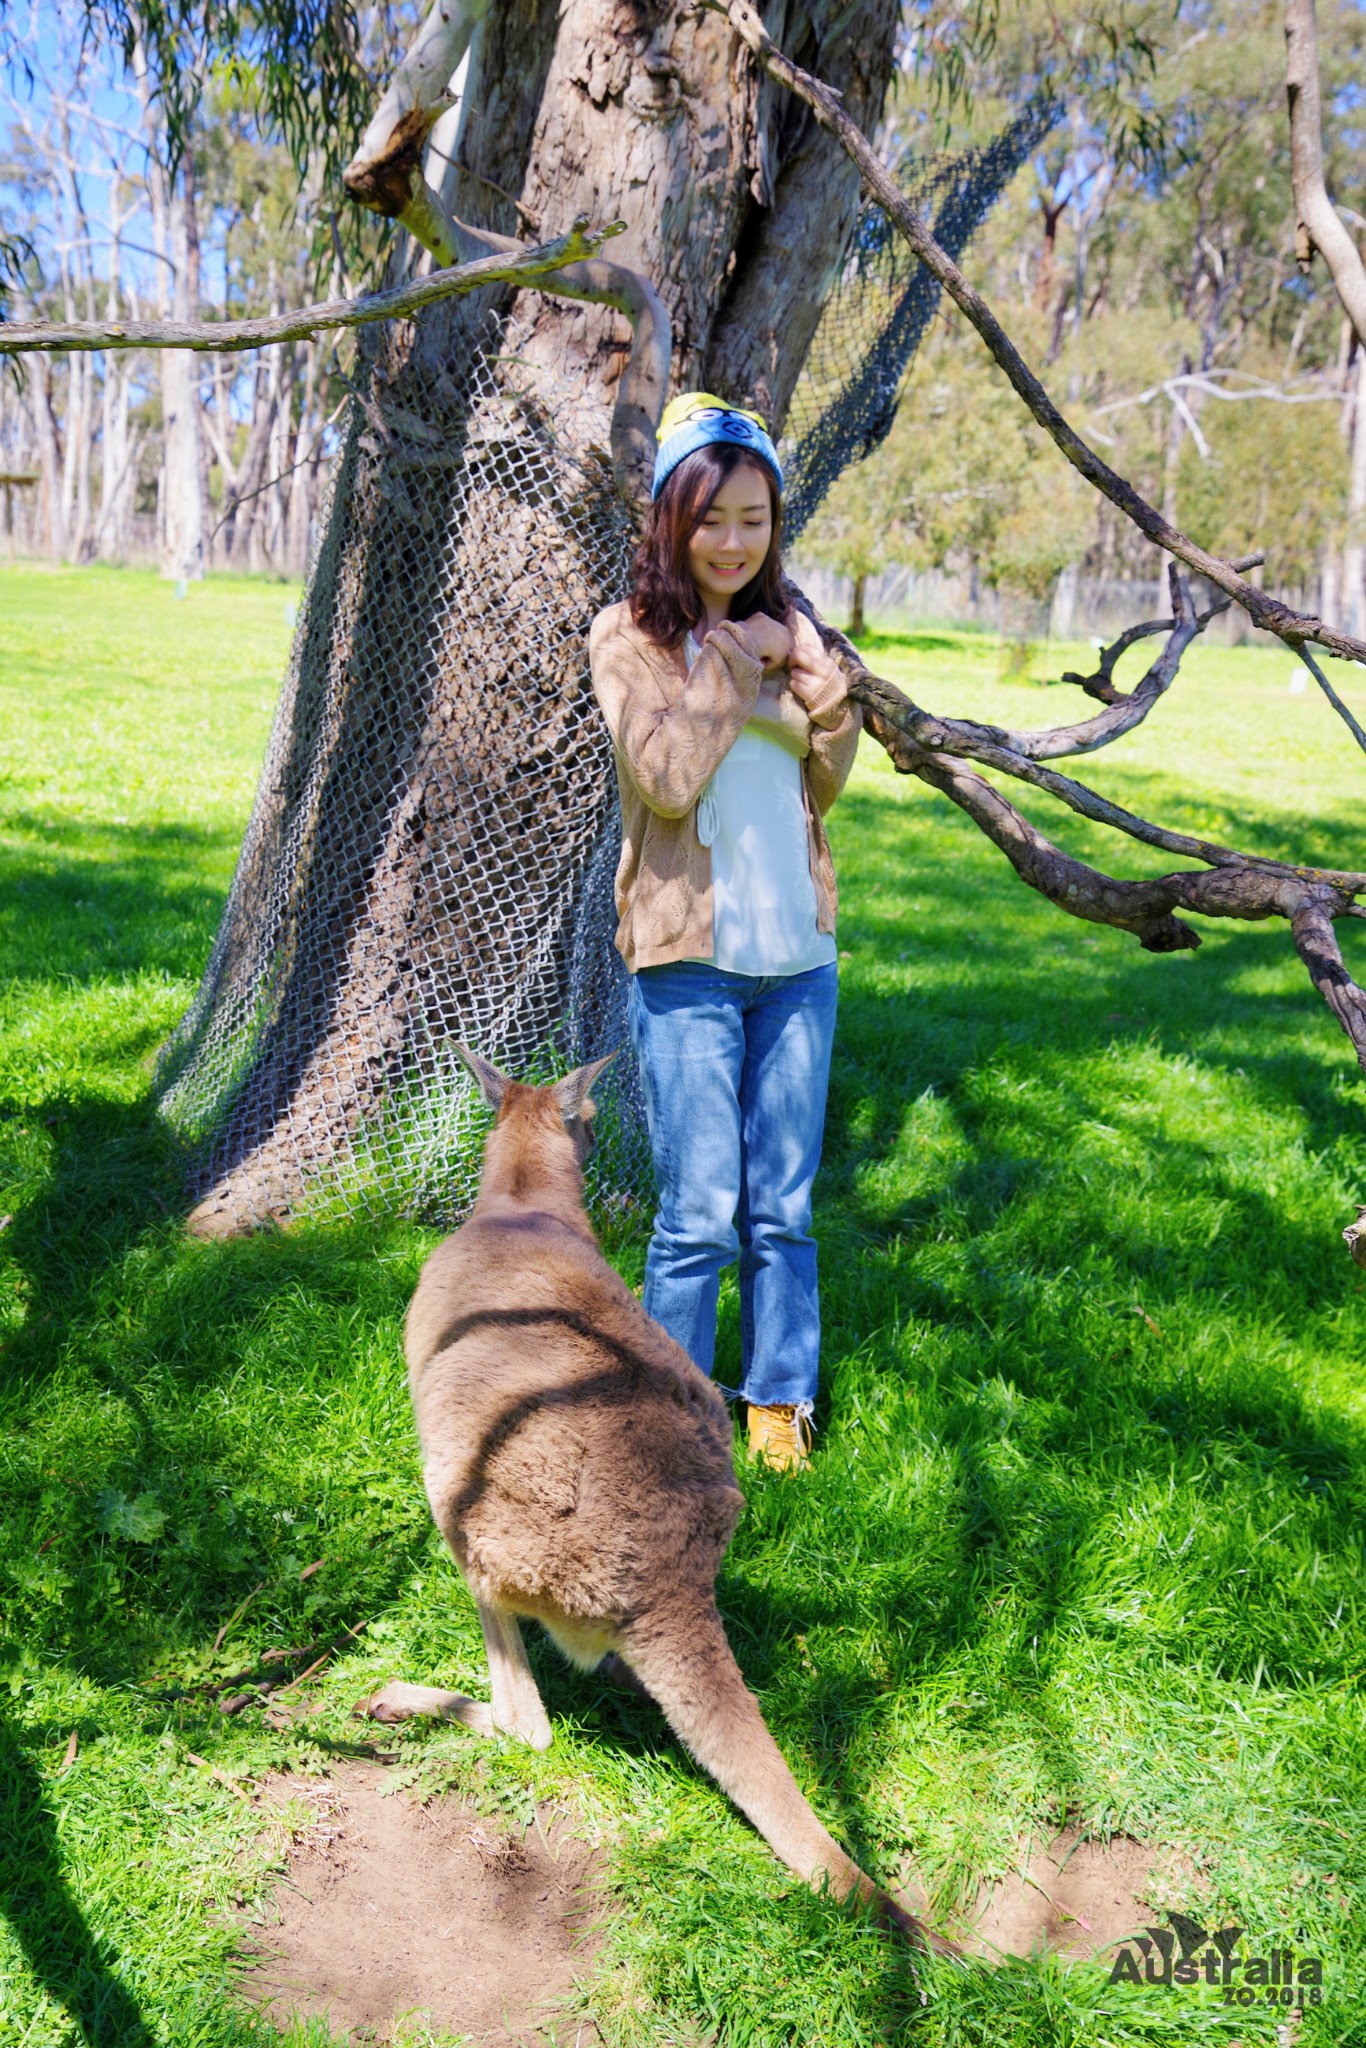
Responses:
[1083,1534]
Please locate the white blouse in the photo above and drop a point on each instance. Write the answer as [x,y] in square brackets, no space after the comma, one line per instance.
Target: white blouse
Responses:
[752,815]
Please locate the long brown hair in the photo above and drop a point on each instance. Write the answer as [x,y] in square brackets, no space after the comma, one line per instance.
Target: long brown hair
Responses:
[665,602]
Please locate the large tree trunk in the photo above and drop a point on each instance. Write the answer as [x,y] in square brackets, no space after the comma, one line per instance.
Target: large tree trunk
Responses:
[438,802]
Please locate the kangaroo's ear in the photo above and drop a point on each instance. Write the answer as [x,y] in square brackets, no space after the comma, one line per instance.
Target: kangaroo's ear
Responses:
[571,1094]
[493,1086]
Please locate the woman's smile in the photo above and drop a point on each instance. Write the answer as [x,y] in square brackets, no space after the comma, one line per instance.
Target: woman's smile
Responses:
[728,547]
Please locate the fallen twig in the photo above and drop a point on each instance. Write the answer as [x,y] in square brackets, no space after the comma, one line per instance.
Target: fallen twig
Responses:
[204,1765]
[278,1692]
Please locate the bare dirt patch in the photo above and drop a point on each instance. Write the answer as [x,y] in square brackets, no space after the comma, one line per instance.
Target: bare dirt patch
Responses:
[392,1913]
[1077,1898]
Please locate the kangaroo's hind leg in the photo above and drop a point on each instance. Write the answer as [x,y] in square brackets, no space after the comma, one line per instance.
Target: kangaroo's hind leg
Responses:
[400,1702]
[517,1706]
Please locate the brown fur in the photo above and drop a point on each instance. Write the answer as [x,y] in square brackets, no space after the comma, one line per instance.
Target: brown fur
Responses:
[579,1466]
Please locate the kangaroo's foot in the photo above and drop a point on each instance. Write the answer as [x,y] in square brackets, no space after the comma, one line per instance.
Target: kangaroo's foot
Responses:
[399,1702]
[517,1705]
[898,1920]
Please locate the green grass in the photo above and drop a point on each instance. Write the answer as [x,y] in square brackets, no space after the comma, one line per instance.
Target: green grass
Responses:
[1084,1532]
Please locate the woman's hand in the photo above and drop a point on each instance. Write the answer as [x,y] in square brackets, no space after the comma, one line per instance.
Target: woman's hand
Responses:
[811,672]
[766,640]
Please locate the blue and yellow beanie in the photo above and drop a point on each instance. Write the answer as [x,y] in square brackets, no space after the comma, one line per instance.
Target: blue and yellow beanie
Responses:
[697,419]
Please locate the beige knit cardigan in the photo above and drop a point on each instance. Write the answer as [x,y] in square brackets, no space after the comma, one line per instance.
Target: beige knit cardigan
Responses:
[671,727]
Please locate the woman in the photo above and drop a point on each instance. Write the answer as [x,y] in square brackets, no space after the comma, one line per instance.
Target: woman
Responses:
[733,736]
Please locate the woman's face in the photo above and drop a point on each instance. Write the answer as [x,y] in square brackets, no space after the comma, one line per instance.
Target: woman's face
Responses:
[729,543]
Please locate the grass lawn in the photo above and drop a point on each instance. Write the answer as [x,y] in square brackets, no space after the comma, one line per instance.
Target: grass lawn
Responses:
[1084,1535]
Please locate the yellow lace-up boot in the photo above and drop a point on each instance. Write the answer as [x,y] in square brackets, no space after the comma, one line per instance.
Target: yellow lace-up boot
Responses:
[782,1436]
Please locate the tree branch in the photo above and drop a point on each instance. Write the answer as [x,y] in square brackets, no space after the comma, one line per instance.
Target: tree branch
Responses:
[1123,712]
[930,736]
[1245,888]
[1316,942]
[1265,611]
[1101,685]
[214,337]
[411,104]
[1232,884]
[1333,698]
[1317,224]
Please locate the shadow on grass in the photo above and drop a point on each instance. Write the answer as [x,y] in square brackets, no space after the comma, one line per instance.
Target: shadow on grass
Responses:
[144,1331]
[72,1966]
[925,642]
[80,903]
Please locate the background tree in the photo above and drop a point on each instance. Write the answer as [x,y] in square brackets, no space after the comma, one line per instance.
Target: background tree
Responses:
[965,481]
[1149,264]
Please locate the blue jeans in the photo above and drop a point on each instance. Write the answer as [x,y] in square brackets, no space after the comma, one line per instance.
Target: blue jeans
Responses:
[734,1070]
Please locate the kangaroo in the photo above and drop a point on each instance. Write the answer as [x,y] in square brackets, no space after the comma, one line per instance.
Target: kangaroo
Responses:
[579,1466]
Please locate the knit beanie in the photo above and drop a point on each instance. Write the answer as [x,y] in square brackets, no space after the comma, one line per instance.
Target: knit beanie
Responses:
[697,419]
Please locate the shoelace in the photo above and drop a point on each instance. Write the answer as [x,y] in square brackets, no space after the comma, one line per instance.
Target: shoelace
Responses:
[799,1418]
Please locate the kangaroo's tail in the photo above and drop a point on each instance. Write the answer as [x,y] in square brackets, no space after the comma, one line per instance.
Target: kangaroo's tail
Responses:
[685,1661]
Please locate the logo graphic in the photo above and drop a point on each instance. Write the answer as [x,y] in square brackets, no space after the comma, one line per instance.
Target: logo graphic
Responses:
[1281,1978]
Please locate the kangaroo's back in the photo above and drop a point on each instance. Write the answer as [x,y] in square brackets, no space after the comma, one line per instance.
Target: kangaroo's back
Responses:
[574,1456]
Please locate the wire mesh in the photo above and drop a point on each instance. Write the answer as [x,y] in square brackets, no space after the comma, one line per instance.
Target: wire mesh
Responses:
[877,315]
[431,854]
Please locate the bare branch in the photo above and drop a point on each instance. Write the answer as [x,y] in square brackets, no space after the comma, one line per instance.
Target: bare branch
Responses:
[1147,909]
[1253,890]
[1233,884]
[1122,713]
[1101,685]
[1143,908]
[931,736]
[1318,226]
[1258,388]
[1268,612]
[1333,698]
[216,337]
[411,104]
[1316,942]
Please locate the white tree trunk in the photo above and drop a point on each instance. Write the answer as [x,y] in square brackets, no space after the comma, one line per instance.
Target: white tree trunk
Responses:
[81,430]
[301,483]
[52,513]
[1354,553]
[182,557]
